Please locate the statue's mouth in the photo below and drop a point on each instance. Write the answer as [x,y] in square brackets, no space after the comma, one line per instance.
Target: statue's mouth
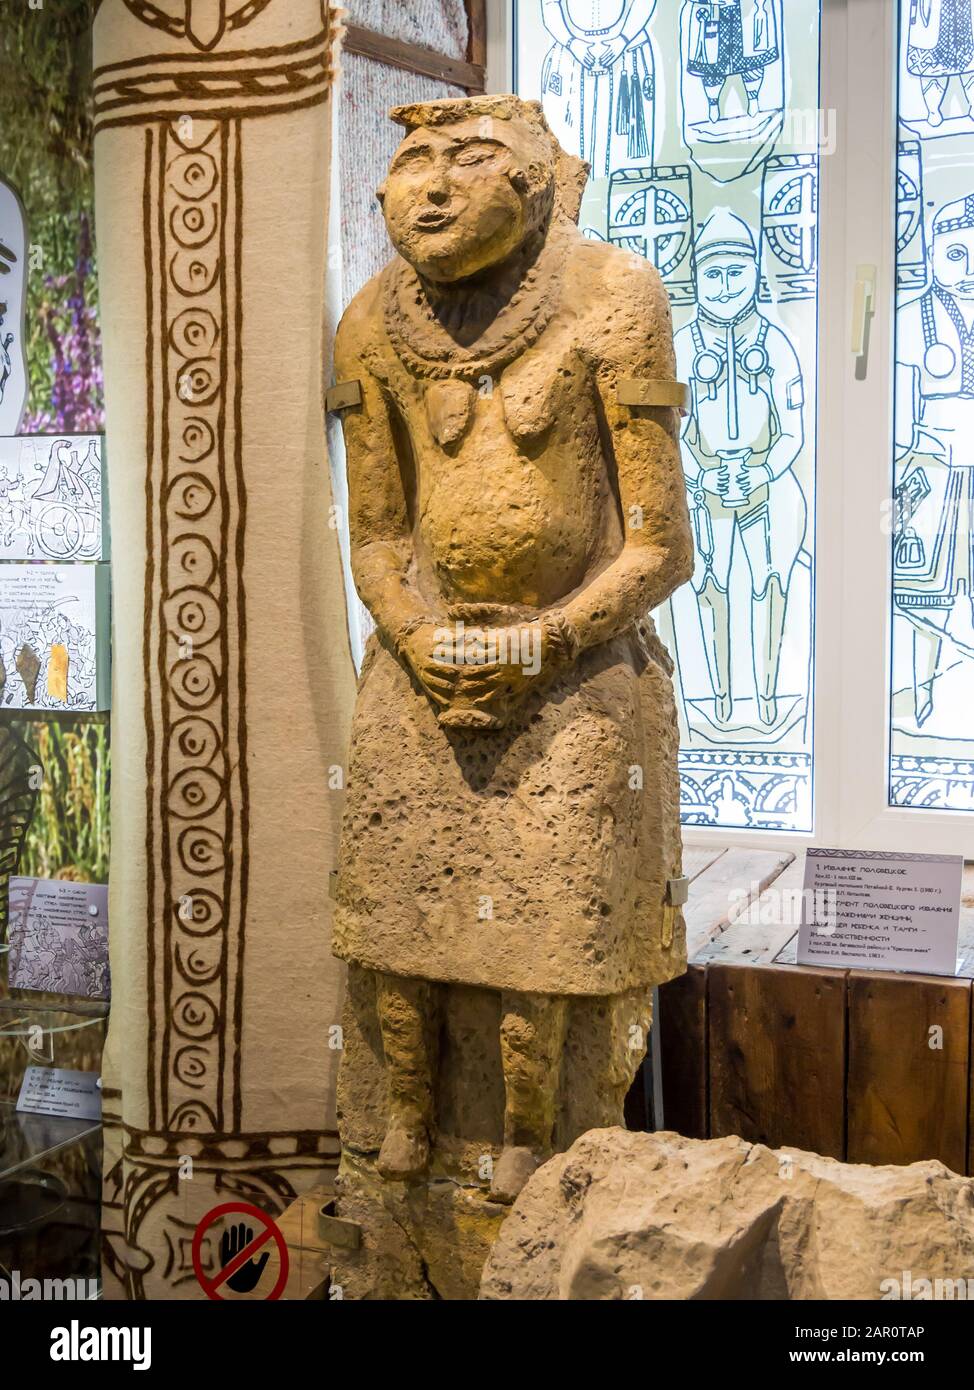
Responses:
[434,221]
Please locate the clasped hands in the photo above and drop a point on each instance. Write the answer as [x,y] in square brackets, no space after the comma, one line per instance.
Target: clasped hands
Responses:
[483,671]
[747,477]
[610,51]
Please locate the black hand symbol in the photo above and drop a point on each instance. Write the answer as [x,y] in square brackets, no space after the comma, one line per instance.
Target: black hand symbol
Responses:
[6,255]
[232,1241]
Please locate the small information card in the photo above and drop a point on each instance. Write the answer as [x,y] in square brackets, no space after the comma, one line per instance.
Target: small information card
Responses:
[866,908]
[54,1091]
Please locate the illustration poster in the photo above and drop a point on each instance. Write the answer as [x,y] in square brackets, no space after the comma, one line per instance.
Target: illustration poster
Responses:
[58,937]
[51,497]
[53,637]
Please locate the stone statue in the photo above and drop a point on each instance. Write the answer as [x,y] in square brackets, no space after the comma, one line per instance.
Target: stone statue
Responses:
[511,819]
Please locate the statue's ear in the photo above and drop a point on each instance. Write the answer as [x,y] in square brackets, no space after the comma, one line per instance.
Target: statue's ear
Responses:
[571,176]
[380,193]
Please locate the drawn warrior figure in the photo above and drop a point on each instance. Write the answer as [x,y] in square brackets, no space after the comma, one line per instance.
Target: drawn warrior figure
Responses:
[940,45]
[744,431]
[933,556]
[62,480]
[732,38]
[494,835]
[598,80]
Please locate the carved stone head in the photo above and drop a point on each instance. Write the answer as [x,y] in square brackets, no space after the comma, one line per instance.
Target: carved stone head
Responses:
[472,181]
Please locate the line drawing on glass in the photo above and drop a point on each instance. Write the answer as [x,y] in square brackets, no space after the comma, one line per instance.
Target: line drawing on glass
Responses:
[932,517]
[743,432]
[13,286]
[742,636]
[911,245]
[598,80]
[767,790]
[732,83]
[940,59]
[933,551]
[650,211]
[789,228]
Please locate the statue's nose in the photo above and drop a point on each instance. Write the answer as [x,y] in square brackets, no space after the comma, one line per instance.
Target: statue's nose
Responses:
[437,194]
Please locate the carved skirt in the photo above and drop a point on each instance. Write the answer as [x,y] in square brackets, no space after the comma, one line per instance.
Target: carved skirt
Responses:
[534,858]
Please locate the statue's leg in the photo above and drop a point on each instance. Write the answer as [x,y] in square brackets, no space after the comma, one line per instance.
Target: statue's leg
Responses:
[934,90]
[967,82]
[713,90]
[715,525]
[403,1007]
[927,647]
[532,1037]
[753,83]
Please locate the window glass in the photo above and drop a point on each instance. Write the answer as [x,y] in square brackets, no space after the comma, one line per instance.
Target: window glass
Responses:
[700,121]
[932,669]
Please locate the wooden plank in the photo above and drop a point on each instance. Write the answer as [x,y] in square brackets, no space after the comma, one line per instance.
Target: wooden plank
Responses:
[721,892]
[477,32]
[765,925]
[776,1041]
[683,1042]
[397,53]
[908,1098]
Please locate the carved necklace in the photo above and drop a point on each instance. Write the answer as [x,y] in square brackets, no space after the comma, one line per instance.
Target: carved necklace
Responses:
[428,349]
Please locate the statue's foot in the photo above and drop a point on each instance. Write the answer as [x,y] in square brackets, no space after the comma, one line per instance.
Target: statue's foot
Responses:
[923,703]
[511,1172]
[768,709]
[724,708]
[405,1152]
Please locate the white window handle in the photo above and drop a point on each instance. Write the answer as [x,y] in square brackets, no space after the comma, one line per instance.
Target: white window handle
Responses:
[863,303]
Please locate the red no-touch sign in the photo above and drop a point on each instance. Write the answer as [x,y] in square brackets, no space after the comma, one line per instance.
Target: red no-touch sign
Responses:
[267,1230]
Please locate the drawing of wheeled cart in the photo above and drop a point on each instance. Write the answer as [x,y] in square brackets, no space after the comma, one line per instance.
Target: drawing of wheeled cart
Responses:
[65,532]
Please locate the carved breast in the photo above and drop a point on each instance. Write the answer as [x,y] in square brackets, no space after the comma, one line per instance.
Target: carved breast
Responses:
[511,483]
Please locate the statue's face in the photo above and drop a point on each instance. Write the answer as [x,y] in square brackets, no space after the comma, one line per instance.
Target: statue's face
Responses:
[953,262]
[456,199]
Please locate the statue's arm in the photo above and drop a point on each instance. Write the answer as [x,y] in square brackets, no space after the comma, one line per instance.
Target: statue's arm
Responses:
[553,19]
[635,18]
[635,340]
[788,392]
[381,543]
[694,462]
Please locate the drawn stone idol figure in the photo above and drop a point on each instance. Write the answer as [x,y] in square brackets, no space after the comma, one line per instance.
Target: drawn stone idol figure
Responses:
[940,45]
[933,568]
[732,38]
[598,80]
[744,431]
[511,825]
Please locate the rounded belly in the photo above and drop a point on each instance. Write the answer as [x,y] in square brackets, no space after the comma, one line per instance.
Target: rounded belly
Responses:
[512,534]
